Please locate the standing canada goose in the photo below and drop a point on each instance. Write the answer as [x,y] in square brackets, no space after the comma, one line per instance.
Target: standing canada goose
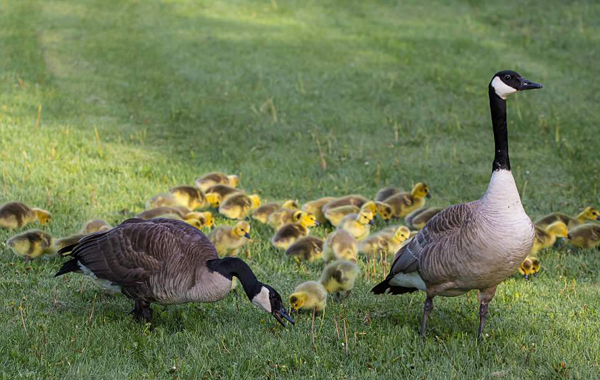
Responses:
[167,262]
[588,213]
[418,218]
[32,244]
[309,295]
[216,178]
[339,276]
[403,204]
[95,225]
[474,245]
[237,206]
[586,236]
[386,192]
[15,215]
[316,208]
[348,200]
[228,240]
[358,225]
[545,238]
[288,234]
[340,245]
[307,248]
[189,196]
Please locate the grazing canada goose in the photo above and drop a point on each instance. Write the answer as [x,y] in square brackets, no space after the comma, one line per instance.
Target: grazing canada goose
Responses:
[307,248]
[309,295]
[474,245]
[95,225]
[288,234]
[386,192]
[15,215]
[358,225]
[32,244]
[339,276]
[167,262]
[216,178]
[384,242]
[340,245]
[586,236]
[545,238]
[348,200]
[189,196]
[588,213]
[223,191]
[316,208]
[228,240]
[403,204]
[237,206]
[263,213]
[418,218]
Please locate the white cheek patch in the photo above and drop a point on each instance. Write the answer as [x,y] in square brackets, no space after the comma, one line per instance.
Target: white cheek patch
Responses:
[501,88]
[262,300]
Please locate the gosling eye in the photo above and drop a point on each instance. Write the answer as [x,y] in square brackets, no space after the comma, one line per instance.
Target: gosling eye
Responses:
[507,77]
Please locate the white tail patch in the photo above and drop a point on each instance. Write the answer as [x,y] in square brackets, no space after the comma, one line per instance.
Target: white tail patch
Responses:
[408,280]
[102,283]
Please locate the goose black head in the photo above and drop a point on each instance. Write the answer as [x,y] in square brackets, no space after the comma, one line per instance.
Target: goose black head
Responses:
[508,82]
[270,301]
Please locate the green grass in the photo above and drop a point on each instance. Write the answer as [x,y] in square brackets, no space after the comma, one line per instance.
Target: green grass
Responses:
[138,96]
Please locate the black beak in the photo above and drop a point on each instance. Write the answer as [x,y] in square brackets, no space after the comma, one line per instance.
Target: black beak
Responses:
[316,223]
[212,227]
[247,235]
[428,195]
[528,85]
[569,236]
[526,277]
[598,218]
[282,313]
[372,222]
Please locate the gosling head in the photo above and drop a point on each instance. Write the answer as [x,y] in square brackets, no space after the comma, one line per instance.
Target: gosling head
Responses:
[384,210]
[242,230]
[270,301]
[365,217]
[214,199]
[255,199]
[420,190]
[297,300]
[307,219]
[590,213]
[234,180]
[525,268]
[209,220]
[194,223]
[43,216]
[401,234]
[535,266]
[507,82]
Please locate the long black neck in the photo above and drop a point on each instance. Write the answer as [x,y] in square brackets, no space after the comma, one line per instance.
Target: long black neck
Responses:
[498,109]
[231,267]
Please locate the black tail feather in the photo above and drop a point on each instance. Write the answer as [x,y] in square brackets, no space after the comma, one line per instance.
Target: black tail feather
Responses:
[381,287]
[384,285]
[69,266]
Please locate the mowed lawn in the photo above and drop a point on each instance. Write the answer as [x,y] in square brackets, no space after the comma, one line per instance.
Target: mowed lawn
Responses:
[104,103]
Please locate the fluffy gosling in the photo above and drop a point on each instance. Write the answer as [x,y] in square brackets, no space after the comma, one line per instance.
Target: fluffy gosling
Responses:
[588,213]
[417,219]
[15,215]
[229,240]
[339,276]
[307,248]
[216,178]
[403,204]
[358,225]
[32,244]
[264,212]
[384,243]
[545,238]
[316,208]
[95,225]
[238,205]
[309,295]
[288,234]
[189,196]
[586,236]
[340,245]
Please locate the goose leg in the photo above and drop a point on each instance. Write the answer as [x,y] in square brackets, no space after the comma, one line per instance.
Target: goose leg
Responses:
[426,309]
[142,311]
[485,297]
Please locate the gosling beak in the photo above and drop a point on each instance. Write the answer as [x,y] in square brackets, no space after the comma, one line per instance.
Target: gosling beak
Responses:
[277,314]
[316,223]
[598,218]
[536,274]
[247,235]
[428,195]
[526,277]
[212,227]
[569,236]
[372,222]
[528,85]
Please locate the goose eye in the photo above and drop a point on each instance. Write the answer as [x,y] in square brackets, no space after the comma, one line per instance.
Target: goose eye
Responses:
[507,77]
